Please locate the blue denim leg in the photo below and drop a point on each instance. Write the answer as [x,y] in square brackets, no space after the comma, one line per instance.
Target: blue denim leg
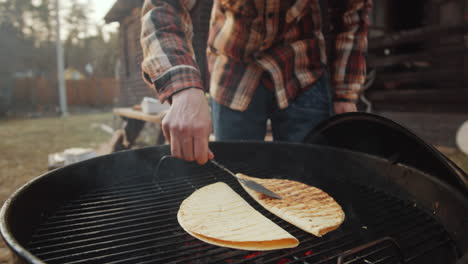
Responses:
[303,114]
[230,124]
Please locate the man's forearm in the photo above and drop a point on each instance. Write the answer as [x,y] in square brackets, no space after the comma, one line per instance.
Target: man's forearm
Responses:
[168,64]
[350,19]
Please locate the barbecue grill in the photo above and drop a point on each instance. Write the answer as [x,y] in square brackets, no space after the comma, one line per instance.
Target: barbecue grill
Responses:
[121,208]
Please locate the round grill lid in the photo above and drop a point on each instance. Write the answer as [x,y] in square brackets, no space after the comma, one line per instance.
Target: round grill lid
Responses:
[379,136]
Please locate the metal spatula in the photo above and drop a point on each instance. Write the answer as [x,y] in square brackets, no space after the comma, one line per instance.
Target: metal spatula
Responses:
[249,184]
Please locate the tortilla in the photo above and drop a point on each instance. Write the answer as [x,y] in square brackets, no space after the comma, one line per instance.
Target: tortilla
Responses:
[304,206]
[217,215]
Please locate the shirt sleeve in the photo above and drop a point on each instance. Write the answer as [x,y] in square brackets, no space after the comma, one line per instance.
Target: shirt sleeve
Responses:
[349,28]
[169,63]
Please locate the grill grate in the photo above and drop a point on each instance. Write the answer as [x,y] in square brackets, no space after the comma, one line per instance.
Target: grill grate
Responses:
[136,223]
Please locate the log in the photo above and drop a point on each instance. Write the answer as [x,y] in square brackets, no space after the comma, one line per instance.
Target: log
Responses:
[429,55]
[138,115]
[422,76]
[416,35]
[421,96]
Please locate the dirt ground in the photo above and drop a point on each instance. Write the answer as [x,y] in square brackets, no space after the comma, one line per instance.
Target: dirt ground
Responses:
[26,143]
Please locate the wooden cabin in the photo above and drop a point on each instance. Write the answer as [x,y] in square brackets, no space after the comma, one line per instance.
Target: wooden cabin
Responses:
[132,86]
[419,49]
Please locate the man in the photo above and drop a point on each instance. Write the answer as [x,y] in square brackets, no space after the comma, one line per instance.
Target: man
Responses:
[267,60]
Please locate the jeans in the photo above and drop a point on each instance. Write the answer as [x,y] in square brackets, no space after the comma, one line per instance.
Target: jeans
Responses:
[290,124]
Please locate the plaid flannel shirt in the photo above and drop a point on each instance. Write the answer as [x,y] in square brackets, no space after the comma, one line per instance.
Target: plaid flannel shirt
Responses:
[255,40]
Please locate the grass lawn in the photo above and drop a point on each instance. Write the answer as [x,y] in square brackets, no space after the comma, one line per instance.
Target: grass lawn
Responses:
[26,143]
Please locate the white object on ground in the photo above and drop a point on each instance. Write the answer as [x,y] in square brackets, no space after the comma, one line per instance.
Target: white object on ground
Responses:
[73,155]
[462,137]
[56,159]
[105,128]
[152,106]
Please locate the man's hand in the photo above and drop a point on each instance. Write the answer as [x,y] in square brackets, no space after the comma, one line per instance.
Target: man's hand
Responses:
[187,126]
[344,107]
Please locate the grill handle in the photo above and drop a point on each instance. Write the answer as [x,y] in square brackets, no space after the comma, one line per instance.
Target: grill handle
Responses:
[358,249]
[175,168]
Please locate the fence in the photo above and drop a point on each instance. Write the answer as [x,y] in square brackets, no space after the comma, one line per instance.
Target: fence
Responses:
[92,92]
[41,93]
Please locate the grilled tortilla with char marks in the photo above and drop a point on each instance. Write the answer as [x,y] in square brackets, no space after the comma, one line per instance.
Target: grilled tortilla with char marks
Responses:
[309,208]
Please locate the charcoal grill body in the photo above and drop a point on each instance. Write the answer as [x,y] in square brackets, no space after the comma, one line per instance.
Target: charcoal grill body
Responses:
[65,215]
